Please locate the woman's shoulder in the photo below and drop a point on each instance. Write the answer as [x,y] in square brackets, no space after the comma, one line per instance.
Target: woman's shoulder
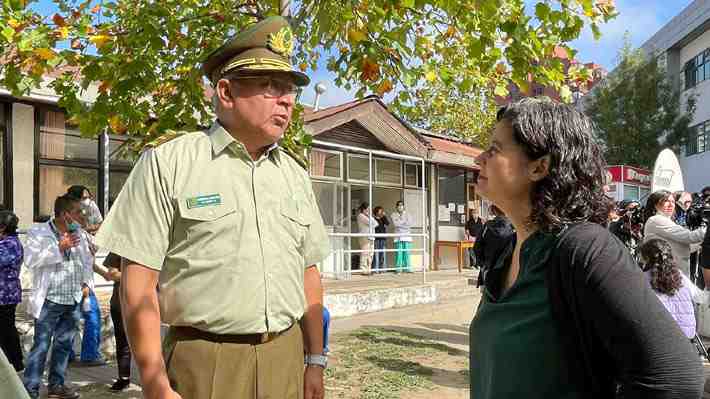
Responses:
[588,241]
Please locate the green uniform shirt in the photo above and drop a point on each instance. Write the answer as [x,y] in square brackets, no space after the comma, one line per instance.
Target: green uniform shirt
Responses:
[230,236]
[515,348]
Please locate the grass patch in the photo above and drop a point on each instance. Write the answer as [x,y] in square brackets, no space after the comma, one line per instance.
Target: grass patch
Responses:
[375,363]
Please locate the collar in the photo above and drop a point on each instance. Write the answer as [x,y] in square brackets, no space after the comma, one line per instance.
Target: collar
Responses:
[221,140]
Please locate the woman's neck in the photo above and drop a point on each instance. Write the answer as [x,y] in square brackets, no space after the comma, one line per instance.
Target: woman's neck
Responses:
[519,216]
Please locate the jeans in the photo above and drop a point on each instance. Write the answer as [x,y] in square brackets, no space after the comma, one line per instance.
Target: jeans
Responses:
[58,322]
[378,259]
[9,338]
[91,341]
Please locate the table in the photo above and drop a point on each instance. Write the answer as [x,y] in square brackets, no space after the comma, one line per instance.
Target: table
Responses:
[460,247]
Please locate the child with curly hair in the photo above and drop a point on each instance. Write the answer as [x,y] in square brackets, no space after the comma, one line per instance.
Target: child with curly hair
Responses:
[672,287]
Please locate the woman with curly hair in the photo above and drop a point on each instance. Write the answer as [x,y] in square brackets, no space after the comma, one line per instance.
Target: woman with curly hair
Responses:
[566,312]
[672,287]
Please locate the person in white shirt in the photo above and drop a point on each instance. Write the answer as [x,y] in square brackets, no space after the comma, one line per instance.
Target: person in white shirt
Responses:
[402,225]
[659,210]
[364,221]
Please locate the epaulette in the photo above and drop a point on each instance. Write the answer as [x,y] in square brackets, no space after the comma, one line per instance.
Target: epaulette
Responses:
[300,159]
[169,135]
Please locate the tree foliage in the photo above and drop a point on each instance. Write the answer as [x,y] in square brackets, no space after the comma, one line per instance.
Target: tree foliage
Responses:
[141,56]
[638,112]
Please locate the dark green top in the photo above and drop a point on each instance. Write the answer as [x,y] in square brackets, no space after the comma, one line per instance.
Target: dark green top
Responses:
[515,348]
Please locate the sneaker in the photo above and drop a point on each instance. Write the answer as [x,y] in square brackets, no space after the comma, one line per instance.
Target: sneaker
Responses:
[62,392]
[120,385]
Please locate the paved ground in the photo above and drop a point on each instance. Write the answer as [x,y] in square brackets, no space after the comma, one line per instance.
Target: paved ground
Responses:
[445,323]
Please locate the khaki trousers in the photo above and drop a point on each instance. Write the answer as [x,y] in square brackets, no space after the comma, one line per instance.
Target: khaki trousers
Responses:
[202,369]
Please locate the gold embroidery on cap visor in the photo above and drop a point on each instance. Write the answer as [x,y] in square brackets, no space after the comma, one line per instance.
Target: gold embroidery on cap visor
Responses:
[281,42]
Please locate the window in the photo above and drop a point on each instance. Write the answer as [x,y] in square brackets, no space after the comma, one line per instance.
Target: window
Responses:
[388,171]
[631,193]
[452,190]
[64,159]
[358,168]
[698,140]
[538,91]
[413,175]
[5,158]
[325,164]
[696,70]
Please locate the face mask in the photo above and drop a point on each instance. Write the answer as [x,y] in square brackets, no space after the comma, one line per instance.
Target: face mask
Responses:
[400,208]
[86,202]
[72,225]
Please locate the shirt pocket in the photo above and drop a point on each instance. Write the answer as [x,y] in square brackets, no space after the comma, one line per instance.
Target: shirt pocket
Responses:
[296,219]
[208,230]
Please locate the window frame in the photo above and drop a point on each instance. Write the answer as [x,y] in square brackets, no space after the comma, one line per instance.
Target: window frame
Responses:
[404,175]
[387,184]
[97,165]
[341,169]
[6,187]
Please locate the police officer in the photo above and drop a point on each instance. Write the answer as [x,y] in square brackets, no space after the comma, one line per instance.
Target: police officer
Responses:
[226,223]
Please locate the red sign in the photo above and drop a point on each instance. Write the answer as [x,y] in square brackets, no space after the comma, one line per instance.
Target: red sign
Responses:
[639,176]
[615,173]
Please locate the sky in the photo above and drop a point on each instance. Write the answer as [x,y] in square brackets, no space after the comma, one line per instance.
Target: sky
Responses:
[641,18]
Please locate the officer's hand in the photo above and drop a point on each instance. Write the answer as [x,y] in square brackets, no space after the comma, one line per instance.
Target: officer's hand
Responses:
[313,383]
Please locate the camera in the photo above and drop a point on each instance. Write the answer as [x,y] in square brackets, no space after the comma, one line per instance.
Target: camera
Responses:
[635,215]
[699,212]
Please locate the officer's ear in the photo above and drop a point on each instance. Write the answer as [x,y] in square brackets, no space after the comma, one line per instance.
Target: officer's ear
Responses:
[224,92]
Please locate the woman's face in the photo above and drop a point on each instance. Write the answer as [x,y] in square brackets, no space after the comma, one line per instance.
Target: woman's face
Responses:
[504,177]
[666,206]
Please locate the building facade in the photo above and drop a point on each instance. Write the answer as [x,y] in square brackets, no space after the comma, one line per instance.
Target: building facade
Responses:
[683,49]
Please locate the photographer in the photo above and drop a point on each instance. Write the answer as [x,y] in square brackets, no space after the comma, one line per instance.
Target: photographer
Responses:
[629,226]
[659,210]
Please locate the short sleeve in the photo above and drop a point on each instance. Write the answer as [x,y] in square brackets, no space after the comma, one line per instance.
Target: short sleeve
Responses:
[316,244]
[139,224]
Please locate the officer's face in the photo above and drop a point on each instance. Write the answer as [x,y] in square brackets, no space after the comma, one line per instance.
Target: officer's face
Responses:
[262,105]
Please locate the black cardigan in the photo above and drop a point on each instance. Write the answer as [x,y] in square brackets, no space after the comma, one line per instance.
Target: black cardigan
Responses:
[614,327]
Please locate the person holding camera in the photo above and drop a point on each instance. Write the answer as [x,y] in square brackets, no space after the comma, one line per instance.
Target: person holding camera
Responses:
[629,226]
[659,211]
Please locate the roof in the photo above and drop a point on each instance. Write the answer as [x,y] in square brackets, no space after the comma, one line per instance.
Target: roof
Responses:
[453,147]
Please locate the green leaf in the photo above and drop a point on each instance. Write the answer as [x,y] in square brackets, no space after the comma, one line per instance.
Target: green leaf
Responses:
[501,91]
[8,33]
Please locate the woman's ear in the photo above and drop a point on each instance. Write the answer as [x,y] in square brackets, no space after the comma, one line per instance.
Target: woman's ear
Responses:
[539,168]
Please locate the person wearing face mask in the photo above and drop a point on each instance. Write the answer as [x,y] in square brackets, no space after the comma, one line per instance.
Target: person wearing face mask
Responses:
[57,254]
[89,209]
[402,225]
[11,254]
[659,211]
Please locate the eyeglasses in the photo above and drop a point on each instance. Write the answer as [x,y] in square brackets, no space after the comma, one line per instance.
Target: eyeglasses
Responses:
[272,87]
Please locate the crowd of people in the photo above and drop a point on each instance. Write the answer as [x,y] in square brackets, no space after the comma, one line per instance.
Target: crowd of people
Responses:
[60,254]
[373,255]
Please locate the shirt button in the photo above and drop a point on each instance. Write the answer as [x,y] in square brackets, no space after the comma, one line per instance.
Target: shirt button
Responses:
[211,213]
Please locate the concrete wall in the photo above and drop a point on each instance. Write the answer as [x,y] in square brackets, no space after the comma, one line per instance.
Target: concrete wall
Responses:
[23,134]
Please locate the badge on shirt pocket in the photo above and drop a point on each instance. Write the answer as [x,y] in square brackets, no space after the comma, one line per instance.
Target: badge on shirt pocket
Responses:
[204,200]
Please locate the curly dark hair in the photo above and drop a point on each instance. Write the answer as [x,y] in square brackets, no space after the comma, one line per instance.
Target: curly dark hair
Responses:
[573,190]
[652,202]
[665,275]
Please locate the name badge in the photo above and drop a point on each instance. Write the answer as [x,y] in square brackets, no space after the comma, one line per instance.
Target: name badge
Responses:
[204,200]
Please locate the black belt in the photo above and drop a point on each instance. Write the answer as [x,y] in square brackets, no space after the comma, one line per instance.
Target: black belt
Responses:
[187,333]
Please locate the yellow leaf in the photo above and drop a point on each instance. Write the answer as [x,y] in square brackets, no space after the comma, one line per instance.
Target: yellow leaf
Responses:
[303,66]
[384,87]
[45,53]
[356,36]
[14,24]
[63,32]
[99,40]
[430,76]
[116,125]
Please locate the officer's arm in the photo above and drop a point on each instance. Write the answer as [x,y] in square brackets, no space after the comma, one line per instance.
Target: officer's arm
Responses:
[141,317]
[313,318]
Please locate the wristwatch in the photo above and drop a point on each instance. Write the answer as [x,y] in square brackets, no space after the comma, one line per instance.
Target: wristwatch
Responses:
[316,360]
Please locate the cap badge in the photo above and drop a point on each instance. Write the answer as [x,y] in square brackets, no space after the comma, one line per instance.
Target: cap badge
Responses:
[281,42]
